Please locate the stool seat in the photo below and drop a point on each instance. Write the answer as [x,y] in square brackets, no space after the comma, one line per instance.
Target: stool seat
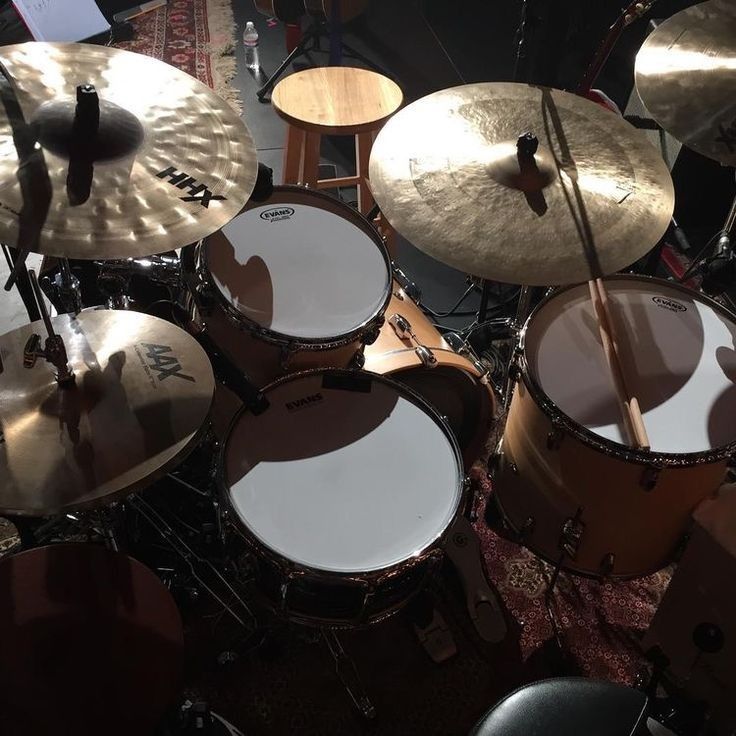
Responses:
[563,706]
[336,100]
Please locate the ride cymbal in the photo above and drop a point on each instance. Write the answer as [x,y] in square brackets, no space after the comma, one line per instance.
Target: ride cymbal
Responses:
[141,395]
[450,174]
[686,75]
[161,161]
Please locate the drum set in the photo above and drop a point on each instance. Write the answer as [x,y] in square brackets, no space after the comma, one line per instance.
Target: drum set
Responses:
[332,423]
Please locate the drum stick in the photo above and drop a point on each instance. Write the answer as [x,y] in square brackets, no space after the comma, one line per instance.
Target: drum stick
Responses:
[629,404]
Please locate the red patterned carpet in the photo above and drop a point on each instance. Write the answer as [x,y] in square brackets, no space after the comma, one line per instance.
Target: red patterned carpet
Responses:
[194,35]
[601,622]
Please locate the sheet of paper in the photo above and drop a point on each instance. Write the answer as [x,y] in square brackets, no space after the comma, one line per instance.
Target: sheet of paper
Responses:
[62,20]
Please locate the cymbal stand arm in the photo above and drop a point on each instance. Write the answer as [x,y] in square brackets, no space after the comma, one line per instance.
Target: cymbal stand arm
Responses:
[54,350]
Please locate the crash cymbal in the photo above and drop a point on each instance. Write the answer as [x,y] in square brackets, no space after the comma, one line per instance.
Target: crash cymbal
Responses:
[170,161]
[686,75]
[448,175]
[140,398]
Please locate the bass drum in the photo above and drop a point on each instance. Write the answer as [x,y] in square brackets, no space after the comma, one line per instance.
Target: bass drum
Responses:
[565,479]
[412,351]
[92,643]
[345,488]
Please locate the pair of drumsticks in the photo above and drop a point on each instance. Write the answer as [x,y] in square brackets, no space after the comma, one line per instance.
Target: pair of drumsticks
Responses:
[629,404]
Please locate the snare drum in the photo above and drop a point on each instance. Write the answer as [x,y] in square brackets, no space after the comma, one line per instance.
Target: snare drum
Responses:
[344,488]
[300,281]
[412,351]
[565,479]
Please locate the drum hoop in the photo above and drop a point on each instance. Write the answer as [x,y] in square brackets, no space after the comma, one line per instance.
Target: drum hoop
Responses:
[367,577]
[590,438]
[327,342]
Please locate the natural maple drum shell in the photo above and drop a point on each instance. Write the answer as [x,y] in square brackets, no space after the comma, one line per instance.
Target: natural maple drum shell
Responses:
[640,527]
[461,382]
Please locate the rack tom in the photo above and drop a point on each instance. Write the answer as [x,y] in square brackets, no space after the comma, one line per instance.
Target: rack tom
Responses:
[300,281]
[565,478]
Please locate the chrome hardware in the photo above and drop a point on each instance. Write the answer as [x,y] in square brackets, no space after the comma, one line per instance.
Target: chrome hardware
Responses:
[649,477]
[32,351]
[572,533]
[402,328]
[409,287]
[358,360]
[426,356]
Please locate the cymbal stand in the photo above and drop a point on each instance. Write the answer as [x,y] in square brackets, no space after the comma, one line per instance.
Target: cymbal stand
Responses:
[65,288]
[507,329]
[19,278]
[54,350]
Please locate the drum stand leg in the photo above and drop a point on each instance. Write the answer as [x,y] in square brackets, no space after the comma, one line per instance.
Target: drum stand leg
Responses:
[201,569]
[569,541]
[348,674]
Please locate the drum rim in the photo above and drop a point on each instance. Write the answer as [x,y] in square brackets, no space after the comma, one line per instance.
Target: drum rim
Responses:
[596,441]
[266,334]
[289,567]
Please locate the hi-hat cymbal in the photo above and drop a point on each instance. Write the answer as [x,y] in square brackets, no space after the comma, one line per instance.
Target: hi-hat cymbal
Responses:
[447,174]
[141,395]
[170,162]
[686,76]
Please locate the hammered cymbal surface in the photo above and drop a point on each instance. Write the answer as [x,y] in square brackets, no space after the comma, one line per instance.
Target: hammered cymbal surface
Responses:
[141,396]
[134,208]
[445,173]
[686,77]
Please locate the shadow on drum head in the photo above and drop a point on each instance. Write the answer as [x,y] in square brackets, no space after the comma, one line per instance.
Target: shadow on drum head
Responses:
[92,643]
[249,285]
[662,345]
[722,417]
[309,416]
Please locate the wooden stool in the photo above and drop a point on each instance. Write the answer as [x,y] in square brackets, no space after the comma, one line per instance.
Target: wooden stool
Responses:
[334,100]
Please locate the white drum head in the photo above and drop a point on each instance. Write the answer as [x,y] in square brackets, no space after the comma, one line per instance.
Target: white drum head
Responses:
[300,270]
[342,480]
[682,365]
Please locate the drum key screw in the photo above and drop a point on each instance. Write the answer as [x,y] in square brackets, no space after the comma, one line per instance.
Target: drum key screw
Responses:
[460,540]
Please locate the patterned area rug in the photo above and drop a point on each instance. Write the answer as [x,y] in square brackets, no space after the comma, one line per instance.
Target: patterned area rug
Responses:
[194,35]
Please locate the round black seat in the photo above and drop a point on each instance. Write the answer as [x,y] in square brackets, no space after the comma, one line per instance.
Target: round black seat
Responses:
[565,706]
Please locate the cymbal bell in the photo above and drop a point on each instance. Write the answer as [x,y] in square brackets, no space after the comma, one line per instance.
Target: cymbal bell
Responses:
[584,195]
[139,401]
[686,76]
[109,154]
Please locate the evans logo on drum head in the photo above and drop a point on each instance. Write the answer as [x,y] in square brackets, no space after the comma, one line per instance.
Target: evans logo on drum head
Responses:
[277,213]
[673,306]
[303,403]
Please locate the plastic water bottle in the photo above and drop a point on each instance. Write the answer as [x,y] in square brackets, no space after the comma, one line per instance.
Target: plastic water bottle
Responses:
[250,42]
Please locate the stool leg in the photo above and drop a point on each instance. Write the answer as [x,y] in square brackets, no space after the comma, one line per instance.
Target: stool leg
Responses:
[292,154]
[310,159]
[363,144]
